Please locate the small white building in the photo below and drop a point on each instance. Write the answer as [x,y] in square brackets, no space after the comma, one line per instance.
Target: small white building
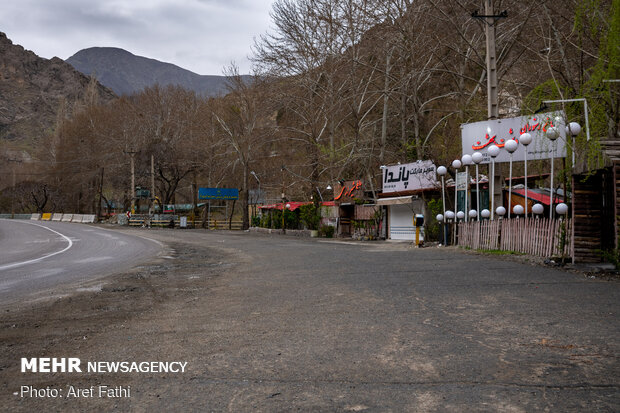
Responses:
[403,197]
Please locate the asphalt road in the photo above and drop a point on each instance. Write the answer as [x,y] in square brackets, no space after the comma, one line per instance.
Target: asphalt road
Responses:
[271,323]
[36,256]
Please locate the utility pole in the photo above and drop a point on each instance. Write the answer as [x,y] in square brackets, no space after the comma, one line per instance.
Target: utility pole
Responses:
[132,191]
[152,183]
[493,109]
[489,18]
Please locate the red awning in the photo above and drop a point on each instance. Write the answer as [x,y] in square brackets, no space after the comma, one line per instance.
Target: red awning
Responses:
[534,195]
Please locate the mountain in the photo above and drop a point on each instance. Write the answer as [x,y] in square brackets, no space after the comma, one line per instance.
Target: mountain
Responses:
[126,73]
[32,89]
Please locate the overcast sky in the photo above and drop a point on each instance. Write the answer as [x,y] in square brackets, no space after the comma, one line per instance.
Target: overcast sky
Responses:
[199,35]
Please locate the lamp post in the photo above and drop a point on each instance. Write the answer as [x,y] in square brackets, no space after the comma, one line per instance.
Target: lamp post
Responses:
[552,134]
[525,140]
[258,196]
[493,151]
[561,209]
[466,160]
[573,129]
[477,158]
[585,113]
[456,164]
[511,146]
[441,171]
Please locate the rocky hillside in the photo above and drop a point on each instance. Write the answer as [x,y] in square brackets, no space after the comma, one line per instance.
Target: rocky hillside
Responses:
[126,73]
[32,89]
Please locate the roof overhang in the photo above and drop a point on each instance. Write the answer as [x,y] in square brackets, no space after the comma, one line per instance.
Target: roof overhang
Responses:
[398,200]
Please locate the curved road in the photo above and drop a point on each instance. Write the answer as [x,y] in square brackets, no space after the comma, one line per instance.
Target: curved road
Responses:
[35,256]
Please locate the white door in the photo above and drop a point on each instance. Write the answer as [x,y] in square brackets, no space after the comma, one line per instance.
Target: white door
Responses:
[401,222]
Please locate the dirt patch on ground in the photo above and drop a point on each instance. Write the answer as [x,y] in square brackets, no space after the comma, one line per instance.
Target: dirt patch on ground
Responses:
[100,321]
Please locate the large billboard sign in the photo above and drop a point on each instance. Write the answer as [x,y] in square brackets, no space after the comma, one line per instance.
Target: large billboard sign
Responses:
[477,137]
[217,193]
[409,177]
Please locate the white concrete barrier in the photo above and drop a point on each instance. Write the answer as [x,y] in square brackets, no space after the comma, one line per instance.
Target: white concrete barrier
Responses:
[88,219]
[77,218]
[67,217]
[57,217]
[35,217]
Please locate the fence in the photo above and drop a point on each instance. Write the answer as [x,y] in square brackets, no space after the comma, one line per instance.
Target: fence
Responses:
[164,221]
[534,236]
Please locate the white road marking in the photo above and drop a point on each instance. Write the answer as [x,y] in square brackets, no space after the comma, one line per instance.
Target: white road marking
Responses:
[22,263]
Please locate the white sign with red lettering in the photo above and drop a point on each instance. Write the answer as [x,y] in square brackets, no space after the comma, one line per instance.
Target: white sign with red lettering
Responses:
[477,137]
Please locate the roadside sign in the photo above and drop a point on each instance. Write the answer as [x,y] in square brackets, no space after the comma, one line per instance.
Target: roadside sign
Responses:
[217,193]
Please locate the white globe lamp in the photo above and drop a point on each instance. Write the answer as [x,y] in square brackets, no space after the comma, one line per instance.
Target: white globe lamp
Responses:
[511,145]
[538,209]
[493,151]
[561,208]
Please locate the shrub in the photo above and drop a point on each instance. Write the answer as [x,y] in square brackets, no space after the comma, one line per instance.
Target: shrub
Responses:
[327,231]
[309,215]
[256,221]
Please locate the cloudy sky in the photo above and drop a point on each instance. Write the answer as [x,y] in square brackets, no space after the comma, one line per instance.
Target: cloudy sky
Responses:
[200,35]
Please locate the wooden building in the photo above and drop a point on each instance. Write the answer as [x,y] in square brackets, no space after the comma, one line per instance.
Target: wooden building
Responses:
[596,208]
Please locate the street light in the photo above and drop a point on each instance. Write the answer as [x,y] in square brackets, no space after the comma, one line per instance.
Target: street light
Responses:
[561,208]
[573,129]
[511,146]
[585,114]
[441,171]
[456,164]
[501,211]
[538,209]
[525,140]
[552,134]
[477,158]
[466,160]
[518,209]
[493,151]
